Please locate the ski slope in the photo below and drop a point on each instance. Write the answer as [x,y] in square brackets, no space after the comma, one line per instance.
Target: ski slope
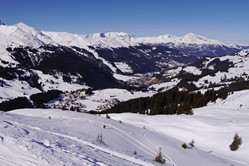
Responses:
[55,137]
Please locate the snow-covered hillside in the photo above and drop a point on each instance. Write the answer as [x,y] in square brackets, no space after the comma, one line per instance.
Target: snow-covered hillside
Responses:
[22,34]
[55,137]
[212,127]
[210,72]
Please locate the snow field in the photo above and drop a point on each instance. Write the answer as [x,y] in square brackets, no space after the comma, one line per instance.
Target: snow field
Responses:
[212,127]
[55,137]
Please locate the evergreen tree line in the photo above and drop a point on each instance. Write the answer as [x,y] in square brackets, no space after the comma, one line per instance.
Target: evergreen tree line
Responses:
[40,98]
[238,86]
[176,102]
[17,103]
[36,101]
[169,102]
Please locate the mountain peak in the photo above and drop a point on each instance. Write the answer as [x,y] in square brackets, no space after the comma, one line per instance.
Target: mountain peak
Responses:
[198,39]
[191,34]
[22,25]
[122,35]
[166,36]
[194,36]
[96,35]
[24,34]
[26,28]
[117,34]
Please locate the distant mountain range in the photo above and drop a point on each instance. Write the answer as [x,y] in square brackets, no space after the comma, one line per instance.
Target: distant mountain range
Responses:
[22,34]
[32,60]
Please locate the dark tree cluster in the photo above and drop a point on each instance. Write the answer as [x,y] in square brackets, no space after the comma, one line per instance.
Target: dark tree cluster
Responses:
[17,103]
[9,73]
[89,92]
[237,86]
[40,99]
[222,66]
[32,80]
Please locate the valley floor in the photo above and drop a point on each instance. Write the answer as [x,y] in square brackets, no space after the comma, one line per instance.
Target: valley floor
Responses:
[55,137]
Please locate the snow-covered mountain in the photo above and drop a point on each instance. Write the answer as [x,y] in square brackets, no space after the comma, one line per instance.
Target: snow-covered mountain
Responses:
[33,61]
[22,34]
[115,42]
[120,39]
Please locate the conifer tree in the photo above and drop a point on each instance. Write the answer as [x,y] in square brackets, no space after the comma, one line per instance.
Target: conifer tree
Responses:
[237,141]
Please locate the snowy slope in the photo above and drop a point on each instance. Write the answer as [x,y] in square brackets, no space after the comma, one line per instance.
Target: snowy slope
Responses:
[210,71]
[10,89]
[239,67]
[22,34]
[69,138]
[212,127]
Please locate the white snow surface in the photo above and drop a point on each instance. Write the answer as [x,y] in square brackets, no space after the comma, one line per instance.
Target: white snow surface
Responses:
[125,68]
[16,88]
[193,70]
[22,34]
[165,85]
[124,77]
[55,137]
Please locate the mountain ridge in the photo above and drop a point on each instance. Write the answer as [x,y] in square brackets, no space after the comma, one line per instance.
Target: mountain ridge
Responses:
[118,39]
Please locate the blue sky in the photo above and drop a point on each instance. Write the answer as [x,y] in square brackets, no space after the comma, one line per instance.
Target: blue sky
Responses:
[225,20]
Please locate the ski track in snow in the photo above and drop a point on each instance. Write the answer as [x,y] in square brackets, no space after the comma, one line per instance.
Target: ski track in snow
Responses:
[83,142]
[108,152]
[128,138]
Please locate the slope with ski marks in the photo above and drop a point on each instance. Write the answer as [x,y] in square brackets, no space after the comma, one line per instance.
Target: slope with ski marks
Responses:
[56,137]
